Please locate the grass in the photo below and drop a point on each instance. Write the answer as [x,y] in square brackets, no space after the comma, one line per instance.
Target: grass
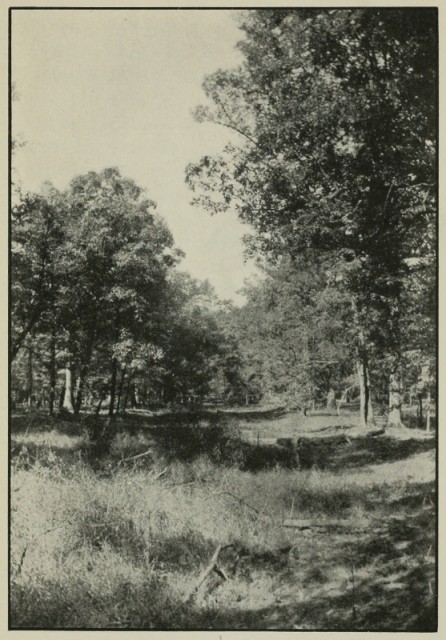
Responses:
[118,542]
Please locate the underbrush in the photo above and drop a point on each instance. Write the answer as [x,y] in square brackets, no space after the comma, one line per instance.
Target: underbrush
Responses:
[121,543]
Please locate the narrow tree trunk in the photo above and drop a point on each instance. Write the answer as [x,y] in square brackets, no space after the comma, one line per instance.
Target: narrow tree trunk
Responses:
[30,376]
[365,397]
[395,402]
[62,397]
[68,396]
[80,383]
[126,399]
[428,411]
[99,405]
[366,409]
[113,387]
[53,373]
[120,388]
[331,399]
[420,411]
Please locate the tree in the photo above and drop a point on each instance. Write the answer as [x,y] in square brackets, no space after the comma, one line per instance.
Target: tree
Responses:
[89,273]
[336,115]
[290,333]
[117,256]
[36,241]
[193,342]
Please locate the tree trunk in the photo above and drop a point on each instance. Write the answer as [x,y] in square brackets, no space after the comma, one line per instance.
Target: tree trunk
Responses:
[113,387]
[53,373]
[420,411]
[30,376]
[395,401]
[120,388]
[365,397]
[366,409]
[331,399]
[428,412]
[99,405]
[68,396]
[80,382]
[61,397]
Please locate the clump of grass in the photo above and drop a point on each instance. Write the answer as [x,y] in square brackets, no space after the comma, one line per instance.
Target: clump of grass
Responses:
[99,525]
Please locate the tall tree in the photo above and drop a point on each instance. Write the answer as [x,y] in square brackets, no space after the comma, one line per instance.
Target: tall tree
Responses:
[336,112]
[117,255]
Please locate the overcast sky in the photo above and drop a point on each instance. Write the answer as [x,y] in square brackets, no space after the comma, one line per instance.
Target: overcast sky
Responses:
[116,89]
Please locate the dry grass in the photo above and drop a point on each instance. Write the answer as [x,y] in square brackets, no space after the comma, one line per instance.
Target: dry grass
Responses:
[116,545]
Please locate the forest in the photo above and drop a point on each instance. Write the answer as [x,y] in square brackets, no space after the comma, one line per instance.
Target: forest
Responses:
[116,349]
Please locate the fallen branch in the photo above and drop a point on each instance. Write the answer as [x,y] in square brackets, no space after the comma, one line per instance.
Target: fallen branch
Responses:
[212,566]
[160,474]
[139,455]
[324,524]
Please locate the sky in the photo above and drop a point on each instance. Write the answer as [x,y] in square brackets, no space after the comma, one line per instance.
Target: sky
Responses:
[109,88]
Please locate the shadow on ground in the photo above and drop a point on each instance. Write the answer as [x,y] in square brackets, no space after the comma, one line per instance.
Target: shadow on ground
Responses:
[381,580]
[184,437]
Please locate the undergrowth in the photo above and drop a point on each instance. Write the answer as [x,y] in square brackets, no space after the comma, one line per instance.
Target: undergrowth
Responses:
[121,543]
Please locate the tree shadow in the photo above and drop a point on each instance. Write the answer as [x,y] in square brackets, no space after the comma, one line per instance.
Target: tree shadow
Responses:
[186,436]
[377,450]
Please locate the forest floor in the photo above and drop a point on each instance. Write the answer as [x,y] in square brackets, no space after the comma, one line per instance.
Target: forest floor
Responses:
[116,531]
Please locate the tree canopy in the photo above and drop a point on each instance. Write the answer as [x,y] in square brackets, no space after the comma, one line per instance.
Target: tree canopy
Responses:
[336,111]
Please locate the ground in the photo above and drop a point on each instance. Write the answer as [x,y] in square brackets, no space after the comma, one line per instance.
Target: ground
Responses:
[114,530]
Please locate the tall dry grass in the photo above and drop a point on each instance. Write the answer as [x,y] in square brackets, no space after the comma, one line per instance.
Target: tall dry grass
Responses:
[120,543]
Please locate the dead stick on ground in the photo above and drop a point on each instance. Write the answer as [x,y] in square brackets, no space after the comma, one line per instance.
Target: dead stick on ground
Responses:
[160,474]
[212,566]
[322,524]
[139,455]
[204,575]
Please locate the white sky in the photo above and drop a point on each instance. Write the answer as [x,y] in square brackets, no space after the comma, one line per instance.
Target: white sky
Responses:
[116,88]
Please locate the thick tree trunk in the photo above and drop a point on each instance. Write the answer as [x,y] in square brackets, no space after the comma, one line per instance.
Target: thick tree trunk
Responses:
[365,397]
[395,400]
[68,396]
[113,387]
